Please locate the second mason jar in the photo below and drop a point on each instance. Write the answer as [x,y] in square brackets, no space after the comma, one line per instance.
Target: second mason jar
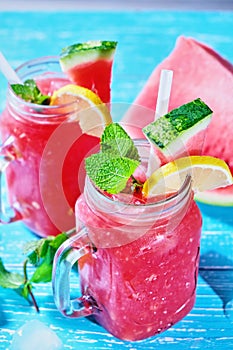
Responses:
[138,263]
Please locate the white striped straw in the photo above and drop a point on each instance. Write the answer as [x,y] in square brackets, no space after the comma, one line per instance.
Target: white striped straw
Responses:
[162,106]
[8,71]
[164,92]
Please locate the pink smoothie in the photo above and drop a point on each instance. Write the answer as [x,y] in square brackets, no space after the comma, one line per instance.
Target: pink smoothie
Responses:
[46,178]
[143,287]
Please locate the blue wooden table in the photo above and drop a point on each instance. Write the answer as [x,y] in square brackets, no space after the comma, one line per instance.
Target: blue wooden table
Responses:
[145,38]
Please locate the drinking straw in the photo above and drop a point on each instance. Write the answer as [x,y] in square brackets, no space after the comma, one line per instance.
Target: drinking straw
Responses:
[162,105]
[164,92]
[8,71]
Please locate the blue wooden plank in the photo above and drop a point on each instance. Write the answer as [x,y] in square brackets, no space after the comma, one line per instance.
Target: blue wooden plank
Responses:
[145,38]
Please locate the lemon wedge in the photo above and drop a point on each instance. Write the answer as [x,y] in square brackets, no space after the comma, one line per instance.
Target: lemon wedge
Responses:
[85,107]
[207,173]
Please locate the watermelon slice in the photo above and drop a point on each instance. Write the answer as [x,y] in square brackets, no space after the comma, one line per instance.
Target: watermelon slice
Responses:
[171,133]
[199,71]
[90,65]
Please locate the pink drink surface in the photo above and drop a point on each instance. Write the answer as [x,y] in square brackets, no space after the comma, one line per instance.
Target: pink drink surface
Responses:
[45,192]
[144,287]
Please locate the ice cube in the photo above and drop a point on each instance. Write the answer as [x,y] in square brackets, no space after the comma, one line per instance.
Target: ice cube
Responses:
[35,335]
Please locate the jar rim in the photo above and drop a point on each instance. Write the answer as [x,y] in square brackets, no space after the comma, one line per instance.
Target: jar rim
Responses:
[53,58]
[37,111]
[184,189]
[172,200]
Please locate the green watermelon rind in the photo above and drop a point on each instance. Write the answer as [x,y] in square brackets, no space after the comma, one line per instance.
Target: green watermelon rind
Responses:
[171,132]
[215,198]
[86,52]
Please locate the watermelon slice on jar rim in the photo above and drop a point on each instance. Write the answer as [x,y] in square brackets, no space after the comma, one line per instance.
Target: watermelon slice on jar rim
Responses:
[89,65]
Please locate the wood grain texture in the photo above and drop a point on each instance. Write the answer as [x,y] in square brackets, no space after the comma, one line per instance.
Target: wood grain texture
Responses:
[145,38]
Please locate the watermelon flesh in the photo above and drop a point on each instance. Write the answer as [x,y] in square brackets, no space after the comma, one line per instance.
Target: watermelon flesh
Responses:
[89,65]
[95,76]
[199,71]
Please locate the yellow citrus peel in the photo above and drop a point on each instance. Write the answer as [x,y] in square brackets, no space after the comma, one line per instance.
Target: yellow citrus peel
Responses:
[207,173]
[85,106]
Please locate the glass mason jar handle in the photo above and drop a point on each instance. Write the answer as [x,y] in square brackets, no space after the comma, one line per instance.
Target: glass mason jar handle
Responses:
[7,155]
[66,256]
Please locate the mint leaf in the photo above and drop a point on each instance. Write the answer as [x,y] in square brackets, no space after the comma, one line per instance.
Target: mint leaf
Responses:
[58,240]
[24,290]
[43,273]
[10,279]
[41,254]
[110,174]
[111,168]
[117,142]
[35,250]
[30,92]
[16,282]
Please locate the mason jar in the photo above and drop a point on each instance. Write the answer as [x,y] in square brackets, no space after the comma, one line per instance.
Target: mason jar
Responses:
[137,260]
[42,153]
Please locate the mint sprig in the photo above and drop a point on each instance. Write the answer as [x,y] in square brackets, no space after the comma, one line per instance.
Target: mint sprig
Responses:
[17,282]
[30,92]
[111,168]
[40,254]
[10,279]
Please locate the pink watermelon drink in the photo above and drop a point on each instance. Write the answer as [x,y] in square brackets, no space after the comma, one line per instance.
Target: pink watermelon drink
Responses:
[49,146]
[141,278]
[144,286]
[143,275]
[45,178]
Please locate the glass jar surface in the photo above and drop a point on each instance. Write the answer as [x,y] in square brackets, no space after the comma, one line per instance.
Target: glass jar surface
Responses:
[142,275]
[46,173]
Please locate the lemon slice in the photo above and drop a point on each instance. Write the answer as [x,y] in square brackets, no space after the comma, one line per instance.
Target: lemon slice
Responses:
[85,106]
[207,173]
